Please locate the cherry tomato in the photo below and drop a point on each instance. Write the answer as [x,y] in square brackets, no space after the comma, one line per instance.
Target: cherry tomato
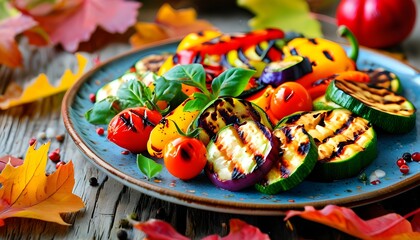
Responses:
[288,98]
[130,129]
[378,23]
[185,157]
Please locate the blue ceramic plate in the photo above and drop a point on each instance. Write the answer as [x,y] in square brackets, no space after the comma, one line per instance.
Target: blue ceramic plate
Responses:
[200,193]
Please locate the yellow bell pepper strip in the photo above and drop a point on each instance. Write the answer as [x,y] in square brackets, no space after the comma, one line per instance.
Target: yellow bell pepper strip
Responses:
[166,130]
[327,57]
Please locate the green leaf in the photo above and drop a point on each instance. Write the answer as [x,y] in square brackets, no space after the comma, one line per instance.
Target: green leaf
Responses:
[166,90]
[284,14]
[231,82]
[103,111]
[135,92]
[198,103]
[148,166]
[186,73]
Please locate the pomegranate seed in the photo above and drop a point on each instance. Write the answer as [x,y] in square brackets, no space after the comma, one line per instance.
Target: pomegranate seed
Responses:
[92,97]
[375,182]
[54,156]
[100,131]
[416,156]
[125,152]
[59,164]
[401,162]
[404,169]
[32,141]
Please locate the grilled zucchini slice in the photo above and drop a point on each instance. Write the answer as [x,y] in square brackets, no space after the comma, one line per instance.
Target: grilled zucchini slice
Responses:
[383,78]
[240,155]
[225,111]
[382,107]
[298,156]
[346,143]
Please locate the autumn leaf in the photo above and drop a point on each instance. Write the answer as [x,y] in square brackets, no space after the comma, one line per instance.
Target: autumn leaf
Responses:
[76,22]
[9,29]
[161,230]
[169,23]
[28,192]
[389,226]
[17,95]
[284,14]
[8,159]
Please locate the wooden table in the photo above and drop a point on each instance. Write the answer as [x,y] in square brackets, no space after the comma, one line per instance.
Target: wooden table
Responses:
[110,202]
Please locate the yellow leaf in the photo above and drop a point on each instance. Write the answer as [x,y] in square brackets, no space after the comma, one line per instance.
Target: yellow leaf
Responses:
[169,23]
[169,16]
[16,95]
[28,192]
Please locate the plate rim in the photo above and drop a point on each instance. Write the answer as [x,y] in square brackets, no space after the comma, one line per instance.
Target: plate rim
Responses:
[195,201]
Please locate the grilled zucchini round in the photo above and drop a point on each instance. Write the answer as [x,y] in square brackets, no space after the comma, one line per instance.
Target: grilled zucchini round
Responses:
[383,108]
[298,156]
[346,143]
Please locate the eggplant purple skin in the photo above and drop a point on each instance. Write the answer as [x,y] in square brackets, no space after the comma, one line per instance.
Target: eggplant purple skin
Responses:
[250,179]
[275,78]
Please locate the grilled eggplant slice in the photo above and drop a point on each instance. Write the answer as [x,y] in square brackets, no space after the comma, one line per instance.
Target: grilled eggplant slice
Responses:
[383,108]
[298,156]
[346,143]
[225,111]
[240,155]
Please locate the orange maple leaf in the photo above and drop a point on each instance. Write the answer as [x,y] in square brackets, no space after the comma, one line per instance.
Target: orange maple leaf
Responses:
[28,192]
[169,23]
[17,95]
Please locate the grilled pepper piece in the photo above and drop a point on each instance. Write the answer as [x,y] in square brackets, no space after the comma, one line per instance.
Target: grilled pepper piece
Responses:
[240,155]
[298,156]
[226,111]
[346,143]
[383,108]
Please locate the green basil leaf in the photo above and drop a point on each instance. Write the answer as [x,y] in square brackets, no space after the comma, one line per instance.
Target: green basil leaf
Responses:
[231,82]
[103,111]
[148,166]
[190,72]
[198,103]
[135,92]
[166,90]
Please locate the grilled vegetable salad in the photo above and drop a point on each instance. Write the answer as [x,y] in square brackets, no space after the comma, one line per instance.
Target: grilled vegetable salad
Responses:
[270,111]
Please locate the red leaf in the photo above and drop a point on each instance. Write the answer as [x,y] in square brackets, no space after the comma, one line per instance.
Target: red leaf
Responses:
[74,25]
[9,159]
[240,230]
[159,230]
[345,220]
[415,222]
[9,28]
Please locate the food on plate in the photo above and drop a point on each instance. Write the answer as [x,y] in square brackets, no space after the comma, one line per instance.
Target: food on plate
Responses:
[257,110]
[240,154]
[385,109]
[346,143]
[297,157]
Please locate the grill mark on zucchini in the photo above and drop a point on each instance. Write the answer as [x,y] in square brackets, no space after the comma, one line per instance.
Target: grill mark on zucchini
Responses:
[378,98]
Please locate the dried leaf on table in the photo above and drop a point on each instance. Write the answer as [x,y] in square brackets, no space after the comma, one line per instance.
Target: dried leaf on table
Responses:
[75,22]
[389,226]
[9,29]
[28,192]
[8,159]
[158,229]
[169,23]
[17,95]
[284,14]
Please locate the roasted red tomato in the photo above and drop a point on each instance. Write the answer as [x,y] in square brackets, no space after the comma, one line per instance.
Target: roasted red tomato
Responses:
[288,98]
[130,129]
[378,23]
[185,157]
